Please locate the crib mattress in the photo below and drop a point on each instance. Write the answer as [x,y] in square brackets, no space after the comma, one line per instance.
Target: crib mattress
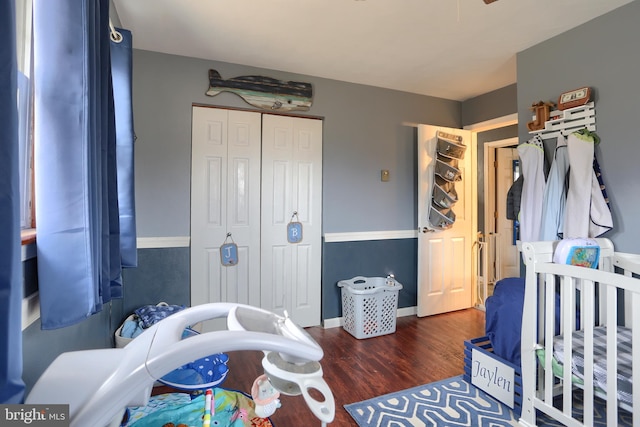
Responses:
[600,361]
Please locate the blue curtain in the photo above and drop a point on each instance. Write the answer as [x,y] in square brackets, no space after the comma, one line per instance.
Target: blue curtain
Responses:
[76,178]
[121,66]
[12,386]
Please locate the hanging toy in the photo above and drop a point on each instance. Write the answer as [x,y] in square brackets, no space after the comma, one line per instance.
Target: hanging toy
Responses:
[265,397]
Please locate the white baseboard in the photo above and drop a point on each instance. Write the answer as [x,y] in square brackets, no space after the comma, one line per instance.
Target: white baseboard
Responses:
[337,322]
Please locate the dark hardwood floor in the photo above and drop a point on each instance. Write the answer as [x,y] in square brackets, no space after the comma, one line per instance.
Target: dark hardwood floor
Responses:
[422,350]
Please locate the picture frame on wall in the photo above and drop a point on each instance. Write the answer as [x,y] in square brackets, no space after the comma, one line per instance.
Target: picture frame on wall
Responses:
[574,98]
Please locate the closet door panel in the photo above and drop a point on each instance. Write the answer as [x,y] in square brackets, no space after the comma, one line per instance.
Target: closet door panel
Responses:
[281,193]
[292,191]
[304,264]
[238,285]
[244,141]
[210,289]
[277,205]
[244,169]
[225,205]
[307,193]
[240,209]
[275,297]
[215,190]
[208,192]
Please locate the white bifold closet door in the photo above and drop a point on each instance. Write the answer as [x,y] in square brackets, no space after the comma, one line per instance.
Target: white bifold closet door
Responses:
[225,198]
[250,172]
[292,182]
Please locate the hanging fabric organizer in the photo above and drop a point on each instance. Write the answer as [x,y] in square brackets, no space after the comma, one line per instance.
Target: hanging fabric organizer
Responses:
[447,150]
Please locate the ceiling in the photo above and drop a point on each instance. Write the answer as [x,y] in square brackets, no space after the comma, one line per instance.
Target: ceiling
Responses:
[453,49]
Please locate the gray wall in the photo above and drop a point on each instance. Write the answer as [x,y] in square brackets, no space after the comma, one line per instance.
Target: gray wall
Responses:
[365,130]
[497,103]
[373,258]
[40,347]
[602,54]
[161,275]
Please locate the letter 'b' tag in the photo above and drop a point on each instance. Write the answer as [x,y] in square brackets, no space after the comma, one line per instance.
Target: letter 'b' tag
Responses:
[294,232]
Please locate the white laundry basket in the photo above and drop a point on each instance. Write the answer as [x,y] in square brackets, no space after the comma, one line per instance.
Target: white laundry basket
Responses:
[369,305]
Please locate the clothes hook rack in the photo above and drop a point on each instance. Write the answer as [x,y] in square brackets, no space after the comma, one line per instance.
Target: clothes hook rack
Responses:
[568,121]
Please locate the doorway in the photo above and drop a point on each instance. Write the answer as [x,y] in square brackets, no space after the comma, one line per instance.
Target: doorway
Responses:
[486,207]
[435,251]
[446,220]
[498,255]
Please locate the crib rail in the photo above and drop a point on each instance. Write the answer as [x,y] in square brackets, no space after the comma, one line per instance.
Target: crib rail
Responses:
[561,299]
[628,265]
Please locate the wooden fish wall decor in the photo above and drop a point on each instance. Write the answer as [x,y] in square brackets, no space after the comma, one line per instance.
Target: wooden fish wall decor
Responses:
[264,92]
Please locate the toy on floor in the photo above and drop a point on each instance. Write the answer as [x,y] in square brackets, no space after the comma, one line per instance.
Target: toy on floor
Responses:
[208,408]
[265,396]
[100,385]
[216,407]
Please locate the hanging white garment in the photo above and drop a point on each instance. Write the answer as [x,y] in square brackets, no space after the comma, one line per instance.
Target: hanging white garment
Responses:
[586,213]
[555,195]
[532,161]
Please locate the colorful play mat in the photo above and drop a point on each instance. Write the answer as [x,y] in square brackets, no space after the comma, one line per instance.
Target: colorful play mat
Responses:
[232,409]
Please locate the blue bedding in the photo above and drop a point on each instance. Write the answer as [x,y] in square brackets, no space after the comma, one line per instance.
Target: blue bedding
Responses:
[503,321]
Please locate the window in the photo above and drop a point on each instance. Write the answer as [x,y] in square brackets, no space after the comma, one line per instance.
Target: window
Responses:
[24,56]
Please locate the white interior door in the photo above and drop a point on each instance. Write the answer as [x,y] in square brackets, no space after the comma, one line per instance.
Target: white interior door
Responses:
[292,182]
[507,256]
[225,198]
[445,279]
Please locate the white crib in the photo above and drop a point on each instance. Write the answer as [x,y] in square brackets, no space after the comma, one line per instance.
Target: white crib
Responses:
[590,299]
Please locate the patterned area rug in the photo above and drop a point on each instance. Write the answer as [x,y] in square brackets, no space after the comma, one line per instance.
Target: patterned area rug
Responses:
[451,402]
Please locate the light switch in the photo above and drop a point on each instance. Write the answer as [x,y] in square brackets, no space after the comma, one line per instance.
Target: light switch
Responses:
[384,175]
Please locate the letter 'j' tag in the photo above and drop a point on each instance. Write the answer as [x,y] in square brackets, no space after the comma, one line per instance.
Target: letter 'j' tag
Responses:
[229,254]
[294,232]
